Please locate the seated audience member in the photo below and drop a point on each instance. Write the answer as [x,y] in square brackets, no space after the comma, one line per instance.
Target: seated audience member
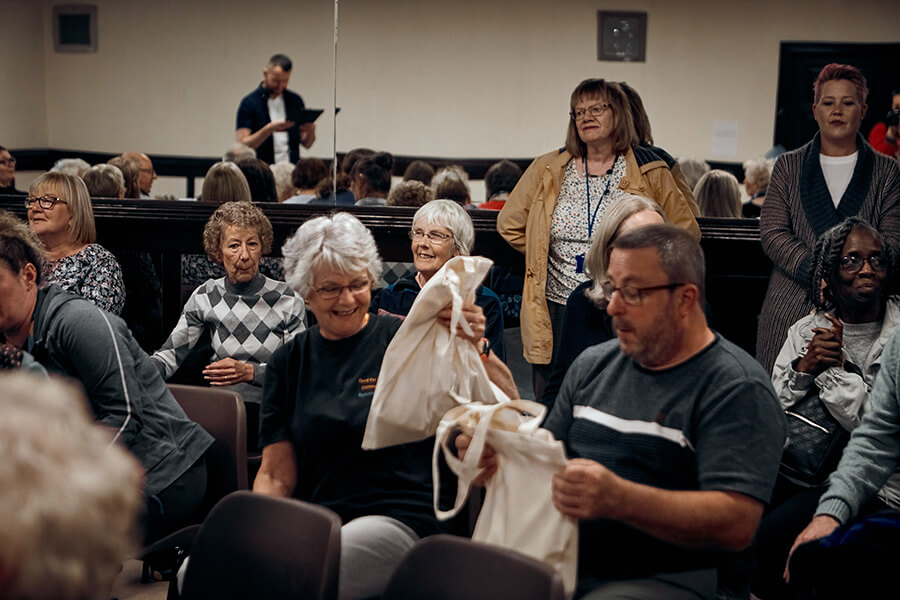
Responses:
[586,322]
[645,137]
[8,174]
[441,230]
[259,178]
[354,155]
[224,182]
[452,183]
[410,193]
[70,498]
[883,136]
[131,170]
[305,177]
[71,166]
[247,314]
[143,291]
[71,337]
[370,179]
[146,172]
[284,187]
[325,191]
[316,400]
[718,194]
[501,178]
[673,433]
[237,151]
[693,169]
[419,170]
[756,181]
[836,352]
[60,213]
[104,181]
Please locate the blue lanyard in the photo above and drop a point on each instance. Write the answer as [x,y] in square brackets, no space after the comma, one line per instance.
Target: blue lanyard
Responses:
[592,217]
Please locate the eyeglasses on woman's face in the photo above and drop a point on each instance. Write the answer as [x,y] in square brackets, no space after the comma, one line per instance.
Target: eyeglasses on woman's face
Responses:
[46,202]
[332,292]
[853,263]
[435,237]
[595,110]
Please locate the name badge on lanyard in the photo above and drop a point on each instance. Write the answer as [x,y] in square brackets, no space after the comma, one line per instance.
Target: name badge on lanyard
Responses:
[591,217]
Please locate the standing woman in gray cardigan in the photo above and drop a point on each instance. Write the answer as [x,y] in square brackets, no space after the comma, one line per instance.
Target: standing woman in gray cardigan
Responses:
[835,176]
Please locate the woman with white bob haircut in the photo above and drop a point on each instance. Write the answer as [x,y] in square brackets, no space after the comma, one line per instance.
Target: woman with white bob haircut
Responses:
[316,399]
[441,230]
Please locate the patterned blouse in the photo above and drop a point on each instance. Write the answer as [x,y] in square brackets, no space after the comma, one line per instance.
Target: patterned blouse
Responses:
[569,235]
[94,274]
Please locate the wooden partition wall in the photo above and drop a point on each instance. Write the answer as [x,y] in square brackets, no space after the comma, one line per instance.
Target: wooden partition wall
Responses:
[737,269]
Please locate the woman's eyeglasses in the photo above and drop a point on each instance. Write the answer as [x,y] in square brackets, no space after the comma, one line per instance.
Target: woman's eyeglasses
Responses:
[596,111]
[46,201]
[433,236]
[332,292]
[853,263]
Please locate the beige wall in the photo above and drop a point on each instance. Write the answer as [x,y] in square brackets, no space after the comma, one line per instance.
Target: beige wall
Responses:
[23,110]
[452,78]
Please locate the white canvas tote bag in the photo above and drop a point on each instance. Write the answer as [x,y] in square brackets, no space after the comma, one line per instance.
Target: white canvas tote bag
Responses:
[427,370]
[518,511]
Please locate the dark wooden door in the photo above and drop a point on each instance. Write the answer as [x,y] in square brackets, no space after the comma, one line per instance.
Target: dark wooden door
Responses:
[800,63]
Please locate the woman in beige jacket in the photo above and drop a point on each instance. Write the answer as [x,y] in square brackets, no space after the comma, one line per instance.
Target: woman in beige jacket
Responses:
[556,206]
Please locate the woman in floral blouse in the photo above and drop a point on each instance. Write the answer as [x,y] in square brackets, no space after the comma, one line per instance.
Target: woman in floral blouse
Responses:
[59,212]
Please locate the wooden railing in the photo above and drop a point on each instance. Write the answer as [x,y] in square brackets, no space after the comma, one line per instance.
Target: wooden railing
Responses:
[737,269]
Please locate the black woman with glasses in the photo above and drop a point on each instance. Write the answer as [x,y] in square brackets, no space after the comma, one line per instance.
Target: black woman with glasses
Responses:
[60,214]
[561,199]
[835,352]
[8,174]
[441,230]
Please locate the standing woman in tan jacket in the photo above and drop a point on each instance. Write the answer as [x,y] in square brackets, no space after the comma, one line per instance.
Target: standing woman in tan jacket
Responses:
[560,200]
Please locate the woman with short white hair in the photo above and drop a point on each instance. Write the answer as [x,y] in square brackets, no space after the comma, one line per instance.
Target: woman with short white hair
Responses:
[757,173]
[441,230]
[316,399]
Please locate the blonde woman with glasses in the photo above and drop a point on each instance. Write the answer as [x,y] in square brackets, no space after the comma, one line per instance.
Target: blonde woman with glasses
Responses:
[60,214]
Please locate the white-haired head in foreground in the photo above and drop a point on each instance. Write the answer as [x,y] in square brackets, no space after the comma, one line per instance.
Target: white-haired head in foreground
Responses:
[338,242]
[69,500]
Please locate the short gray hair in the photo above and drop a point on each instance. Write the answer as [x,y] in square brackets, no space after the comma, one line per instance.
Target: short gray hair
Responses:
[680,255]
[52,451]
[71,166]
[454,217]
[693,169]
[339,242]
[104,181]
[237,151]
[596,259]
[284,187]
[758,171]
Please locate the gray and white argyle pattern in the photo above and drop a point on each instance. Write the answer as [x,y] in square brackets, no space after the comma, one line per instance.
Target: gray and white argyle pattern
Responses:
[248,327]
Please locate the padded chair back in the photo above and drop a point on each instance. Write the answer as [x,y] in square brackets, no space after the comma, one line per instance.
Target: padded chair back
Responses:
[445,567]
[222,414]
[265,548]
